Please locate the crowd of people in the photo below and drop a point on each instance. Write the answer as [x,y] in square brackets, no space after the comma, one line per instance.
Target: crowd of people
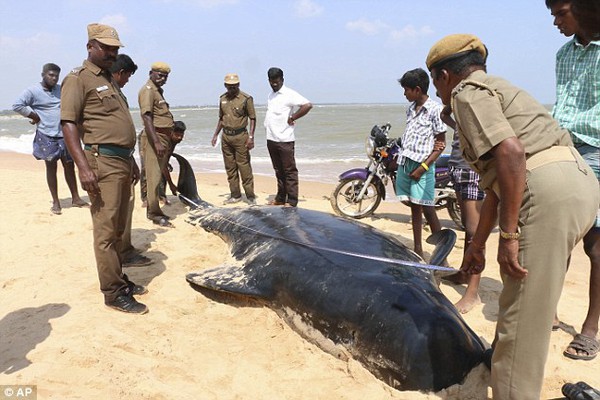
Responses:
[533,174]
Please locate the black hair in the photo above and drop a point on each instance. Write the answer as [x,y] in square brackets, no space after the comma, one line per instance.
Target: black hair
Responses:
[415,77]
[125,63]
[274,73]
[459,64]
[179,126]
[50,67]
[587,14]
[552,3]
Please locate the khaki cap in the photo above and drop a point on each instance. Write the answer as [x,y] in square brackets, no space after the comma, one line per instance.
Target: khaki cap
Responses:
[160,66]
[452,45]
[104,34]
[232,79]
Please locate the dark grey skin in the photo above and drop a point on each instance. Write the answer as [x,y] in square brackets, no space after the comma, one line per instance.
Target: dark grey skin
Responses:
[390,317]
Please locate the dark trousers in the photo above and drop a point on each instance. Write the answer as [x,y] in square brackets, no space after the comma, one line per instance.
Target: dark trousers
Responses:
[284,164]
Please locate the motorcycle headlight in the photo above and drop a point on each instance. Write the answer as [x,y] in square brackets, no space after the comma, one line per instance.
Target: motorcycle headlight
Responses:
[370,146]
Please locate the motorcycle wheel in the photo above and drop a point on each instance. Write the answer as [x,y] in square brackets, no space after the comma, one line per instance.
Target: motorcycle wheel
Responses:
[344,203]
[454,212]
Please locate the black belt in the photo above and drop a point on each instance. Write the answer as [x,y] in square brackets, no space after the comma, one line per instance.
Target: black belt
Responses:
[110,150]
[233,132]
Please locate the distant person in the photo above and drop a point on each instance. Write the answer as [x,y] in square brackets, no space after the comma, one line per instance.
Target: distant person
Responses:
[41,104]
[121,71]
[577,109]
[236,108]
[522,156]
[415,179]
[284,107]
[156,137]
[470,197]
[177,135]
[93,111]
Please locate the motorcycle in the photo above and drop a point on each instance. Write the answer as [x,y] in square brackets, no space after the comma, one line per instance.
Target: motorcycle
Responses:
[360,190]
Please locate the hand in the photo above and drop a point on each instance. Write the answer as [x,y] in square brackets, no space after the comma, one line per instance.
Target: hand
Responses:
[161,150]
[474,259]
[508,253]
[290,121]
[213,142]
[135,172]
[250,143]
[35,119]
[438,145]
[89,181]
[417,173]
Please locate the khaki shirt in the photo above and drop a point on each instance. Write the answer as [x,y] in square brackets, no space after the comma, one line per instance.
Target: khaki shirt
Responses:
[234,113]
[90,100]
[489,110]
[151,101]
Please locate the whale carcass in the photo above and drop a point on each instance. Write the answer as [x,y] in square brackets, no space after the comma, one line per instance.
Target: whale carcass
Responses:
[350,282]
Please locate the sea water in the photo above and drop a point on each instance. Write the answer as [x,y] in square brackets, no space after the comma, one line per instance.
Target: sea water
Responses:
[329,139]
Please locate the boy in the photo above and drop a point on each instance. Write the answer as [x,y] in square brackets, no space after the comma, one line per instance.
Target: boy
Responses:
[415,181]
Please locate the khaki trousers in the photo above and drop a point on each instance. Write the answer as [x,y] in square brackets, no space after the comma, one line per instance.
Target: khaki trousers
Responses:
[154,167]
[109,211]
[559,206]
[237,164]
[126,245]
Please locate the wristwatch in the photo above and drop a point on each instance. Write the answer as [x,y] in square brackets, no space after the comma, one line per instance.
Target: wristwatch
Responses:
[510,236]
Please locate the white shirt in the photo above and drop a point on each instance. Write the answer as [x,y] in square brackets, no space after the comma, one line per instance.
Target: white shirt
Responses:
[280,105]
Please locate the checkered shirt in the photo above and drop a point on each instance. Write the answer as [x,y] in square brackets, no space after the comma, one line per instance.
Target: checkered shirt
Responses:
[577,106]
[421,129]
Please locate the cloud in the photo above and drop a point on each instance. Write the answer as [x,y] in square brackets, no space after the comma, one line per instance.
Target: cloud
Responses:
[117,21]
[410,32]
[367,27]
[307,9]
[39,41]
[204,3]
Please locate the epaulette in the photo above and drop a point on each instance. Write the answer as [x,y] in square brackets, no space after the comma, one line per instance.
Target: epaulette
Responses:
[463,84]
[77,71]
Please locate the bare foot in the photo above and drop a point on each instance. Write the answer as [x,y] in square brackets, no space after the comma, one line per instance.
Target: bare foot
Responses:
[466,304]
[56,209]
[80,203]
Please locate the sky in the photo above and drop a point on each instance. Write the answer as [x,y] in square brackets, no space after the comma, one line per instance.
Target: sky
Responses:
[331,51]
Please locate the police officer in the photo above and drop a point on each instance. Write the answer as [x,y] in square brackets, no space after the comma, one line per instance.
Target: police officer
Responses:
[155,140]
[235,108]
[91,105]
[543,193]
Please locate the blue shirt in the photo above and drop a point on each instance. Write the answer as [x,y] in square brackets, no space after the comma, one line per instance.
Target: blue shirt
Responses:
[46,104]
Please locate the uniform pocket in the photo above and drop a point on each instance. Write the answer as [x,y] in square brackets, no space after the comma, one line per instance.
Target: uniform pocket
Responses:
[109,100]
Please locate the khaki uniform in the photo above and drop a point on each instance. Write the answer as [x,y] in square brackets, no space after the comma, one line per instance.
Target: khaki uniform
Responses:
[234,114]
[558,208]
[151,101]
[90,100]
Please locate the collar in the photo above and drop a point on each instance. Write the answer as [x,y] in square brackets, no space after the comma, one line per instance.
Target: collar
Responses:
[93,68]
[282,89]
[576,43]
[152,84]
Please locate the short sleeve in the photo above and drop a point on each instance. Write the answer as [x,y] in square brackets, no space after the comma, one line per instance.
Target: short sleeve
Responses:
[146,101]
[250,108]
[481,119]
[72,98]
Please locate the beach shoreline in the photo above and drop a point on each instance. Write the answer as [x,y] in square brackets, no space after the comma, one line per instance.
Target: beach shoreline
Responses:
[57,334]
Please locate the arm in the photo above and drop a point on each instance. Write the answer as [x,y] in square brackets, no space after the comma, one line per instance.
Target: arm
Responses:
[447,118]
[438,148]
[216,134]
[474,258]
[302,111]
[153,138]
[510,168]
[87,177]
[167,174]
[23,107]
[250,142]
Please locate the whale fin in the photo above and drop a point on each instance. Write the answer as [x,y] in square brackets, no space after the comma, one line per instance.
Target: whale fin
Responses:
[231,279]
[186,184]
[444,243]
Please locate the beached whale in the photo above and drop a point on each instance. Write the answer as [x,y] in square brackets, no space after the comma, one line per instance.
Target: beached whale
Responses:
[344,286]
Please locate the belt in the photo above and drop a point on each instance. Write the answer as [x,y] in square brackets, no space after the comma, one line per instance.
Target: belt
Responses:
[233,132]
[110,150]
[550,155]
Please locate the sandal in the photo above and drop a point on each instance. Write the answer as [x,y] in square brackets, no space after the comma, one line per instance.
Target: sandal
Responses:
[583,343]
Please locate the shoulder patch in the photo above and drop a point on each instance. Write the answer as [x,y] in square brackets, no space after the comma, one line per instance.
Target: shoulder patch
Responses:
[463,84]
[77,71]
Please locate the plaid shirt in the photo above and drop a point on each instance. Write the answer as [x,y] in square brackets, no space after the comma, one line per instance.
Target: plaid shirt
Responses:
[421,129]
[577,106]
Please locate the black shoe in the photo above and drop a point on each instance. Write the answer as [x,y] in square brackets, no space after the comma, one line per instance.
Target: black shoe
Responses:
[135,290]
[137,260]
[128,304]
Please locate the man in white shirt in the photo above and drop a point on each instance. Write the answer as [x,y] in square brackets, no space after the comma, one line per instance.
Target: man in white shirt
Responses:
[284,107]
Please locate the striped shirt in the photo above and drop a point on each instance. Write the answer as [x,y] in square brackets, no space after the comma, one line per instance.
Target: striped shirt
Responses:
[421,129]
[577,106]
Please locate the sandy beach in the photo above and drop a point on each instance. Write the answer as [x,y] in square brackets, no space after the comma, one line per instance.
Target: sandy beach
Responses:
[56,333]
